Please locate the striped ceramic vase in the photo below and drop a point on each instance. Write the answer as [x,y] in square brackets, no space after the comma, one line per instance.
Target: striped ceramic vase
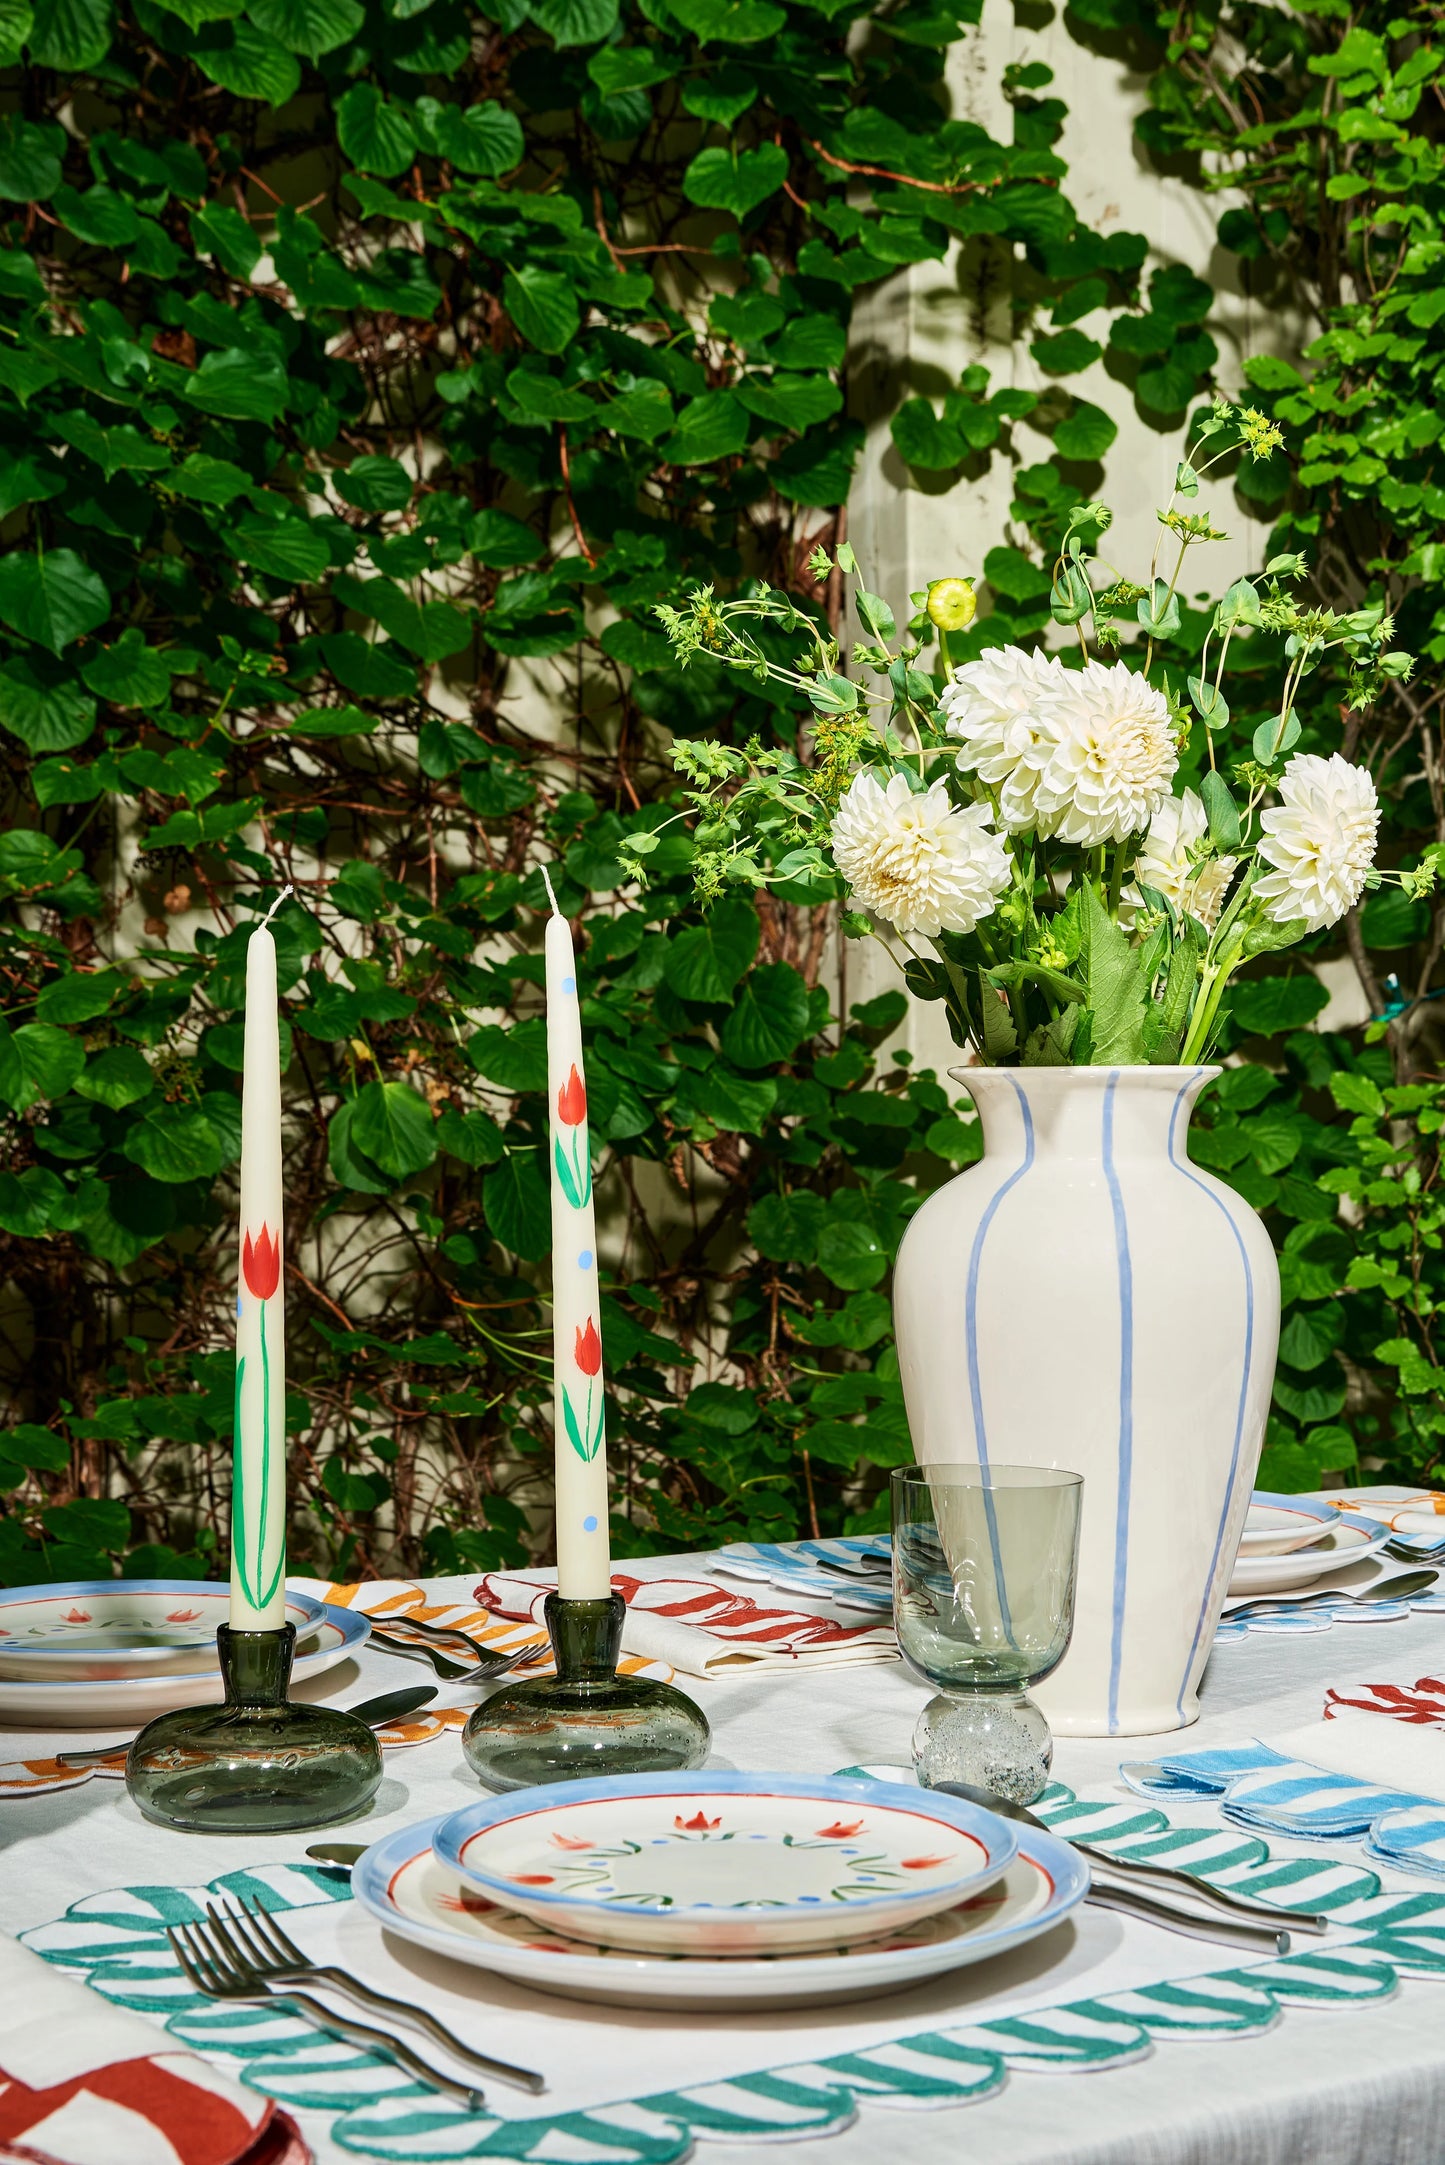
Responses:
[1086,1297]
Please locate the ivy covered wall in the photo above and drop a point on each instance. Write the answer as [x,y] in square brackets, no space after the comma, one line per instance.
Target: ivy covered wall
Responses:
[367,373]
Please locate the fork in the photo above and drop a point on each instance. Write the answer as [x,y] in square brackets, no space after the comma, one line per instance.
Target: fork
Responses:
[254,1941]
[480,1671]
[212,1973]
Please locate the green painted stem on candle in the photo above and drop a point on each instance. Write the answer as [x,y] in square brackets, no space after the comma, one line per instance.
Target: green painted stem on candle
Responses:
[239,1543]
[582,1439]
[268,1591]
[576,1177]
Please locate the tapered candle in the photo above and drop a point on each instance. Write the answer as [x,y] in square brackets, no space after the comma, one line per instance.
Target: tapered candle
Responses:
[258,1489]
[584,1562]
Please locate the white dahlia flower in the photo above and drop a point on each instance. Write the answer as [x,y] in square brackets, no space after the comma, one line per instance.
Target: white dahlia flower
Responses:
[1320,839]
[1000,709]
[1113,758]
[1175,834]
[920,862]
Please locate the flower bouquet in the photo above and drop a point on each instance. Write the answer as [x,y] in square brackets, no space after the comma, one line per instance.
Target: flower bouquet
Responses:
[1014,834]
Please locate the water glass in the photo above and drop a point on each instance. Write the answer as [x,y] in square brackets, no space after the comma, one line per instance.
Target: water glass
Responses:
[984,1565]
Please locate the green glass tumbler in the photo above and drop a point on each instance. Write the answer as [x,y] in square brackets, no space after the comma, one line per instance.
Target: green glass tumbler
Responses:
[260,1763]
[984,1566]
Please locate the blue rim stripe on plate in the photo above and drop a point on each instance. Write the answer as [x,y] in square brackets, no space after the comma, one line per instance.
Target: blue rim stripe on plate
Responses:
[997,1837]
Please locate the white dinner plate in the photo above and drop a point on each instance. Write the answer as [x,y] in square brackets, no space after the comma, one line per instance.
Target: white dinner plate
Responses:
[90,1629]
[726,1864]
[401,1883]
[1348,1543]
[1278,1525]
[111,1701]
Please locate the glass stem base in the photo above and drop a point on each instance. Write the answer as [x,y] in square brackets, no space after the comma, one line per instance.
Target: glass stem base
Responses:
[991,1740]
[586,1720]
[260,1763]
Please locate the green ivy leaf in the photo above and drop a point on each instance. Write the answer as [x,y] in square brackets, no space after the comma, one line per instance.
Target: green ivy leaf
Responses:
[310,27]
[30,158]
[575,22]
[48,716]
[543,306]
[769,1019]
[375,134]
[174,1143]
[705,962]
[238,384]
[1263,1006]
[128,674]
[1085,433]
[53,599]
[393,1125]
[712,426]
[243,60]
[730,22]
[735,180]
[71,35]
[116,1078]
[518,1205]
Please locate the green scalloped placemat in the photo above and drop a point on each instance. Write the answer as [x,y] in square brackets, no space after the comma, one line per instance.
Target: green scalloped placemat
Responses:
[118,1942]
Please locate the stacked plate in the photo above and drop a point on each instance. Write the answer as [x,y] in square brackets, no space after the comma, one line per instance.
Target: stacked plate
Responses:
[720,1890]
[1290,1541]
[94,1652]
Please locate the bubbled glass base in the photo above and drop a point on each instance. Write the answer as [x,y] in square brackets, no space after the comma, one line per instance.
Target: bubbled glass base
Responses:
[260,1763]
[992,1740]
[586,1720]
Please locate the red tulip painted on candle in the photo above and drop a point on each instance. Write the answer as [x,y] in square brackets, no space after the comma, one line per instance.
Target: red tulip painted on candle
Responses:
[261,1272]
[261,1264]
[574,1164]
[586,1436]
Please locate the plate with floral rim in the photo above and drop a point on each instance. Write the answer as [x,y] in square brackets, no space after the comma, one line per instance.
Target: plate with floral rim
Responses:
[725,1865]
[109,1700]
[82,1628]
[408,1890]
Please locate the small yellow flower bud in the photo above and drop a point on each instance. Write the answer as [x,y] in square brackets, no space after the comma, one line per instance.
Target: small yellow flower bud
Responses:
[952,604]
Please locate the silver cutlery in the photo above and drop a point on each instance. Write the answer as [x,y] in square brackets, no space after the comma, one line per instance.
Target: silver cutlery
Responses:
[342,1854]
[1260,1916]
[376,1713]
[479,1671]
[1400,1588]
[1190,1925]
[863,1569]
[257,1946]
[212,1972]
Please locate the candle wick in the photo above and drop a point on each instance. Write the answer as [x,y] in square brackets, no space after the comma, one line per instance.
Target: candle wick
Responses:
[551,895]
[288,889]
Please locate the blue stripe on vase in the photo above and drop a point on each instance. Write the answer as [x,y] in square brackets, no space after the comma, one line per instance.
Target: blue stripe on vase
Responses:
[1126,1400]
[975,1381]
[1182,1166]
[970,1312]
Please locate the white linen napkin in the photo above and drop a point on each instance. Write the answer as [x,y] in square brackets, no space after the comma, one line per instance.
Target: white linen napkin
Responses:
[86,2083]
[1372,1748]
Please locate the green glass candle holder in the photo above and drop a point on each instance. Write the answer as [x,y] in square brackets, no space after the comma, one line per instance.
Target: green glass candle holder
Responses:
[260,1763]
[586,1720]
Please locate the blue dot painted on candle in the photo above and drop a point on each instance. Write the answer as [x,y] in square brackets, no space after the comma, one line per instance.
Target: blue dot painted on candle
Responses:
[569,984]
[584,1260]
[589,1524]
[238,1304]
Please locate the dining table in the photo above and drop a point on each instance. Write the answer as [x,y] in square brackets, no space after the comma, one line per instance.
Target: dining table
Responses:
[1354,2083]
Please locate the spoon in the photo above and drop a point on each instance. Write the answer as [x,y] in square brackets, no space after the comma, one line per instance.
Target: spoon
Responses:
[1400,1588]
[1261,1917]
[376,1713]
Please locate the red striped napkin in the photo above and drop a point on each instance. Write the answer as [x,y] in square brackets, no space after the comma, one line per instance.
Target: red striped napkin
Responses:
[703,1629]
[85,2083]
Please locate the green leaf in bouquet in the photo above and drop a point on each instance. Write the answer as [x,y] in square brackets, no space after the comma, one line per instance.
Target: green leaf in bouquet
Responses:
[1209,703]
[1274,738]
[1117,991]
[1158,613]
[1239,606]
[1221,811]
[1072,597]
[1000,1037]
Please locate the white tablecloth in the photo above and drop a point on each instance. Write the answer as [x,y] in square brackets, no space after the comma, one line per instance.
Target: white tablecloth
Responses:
[1359,2087]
